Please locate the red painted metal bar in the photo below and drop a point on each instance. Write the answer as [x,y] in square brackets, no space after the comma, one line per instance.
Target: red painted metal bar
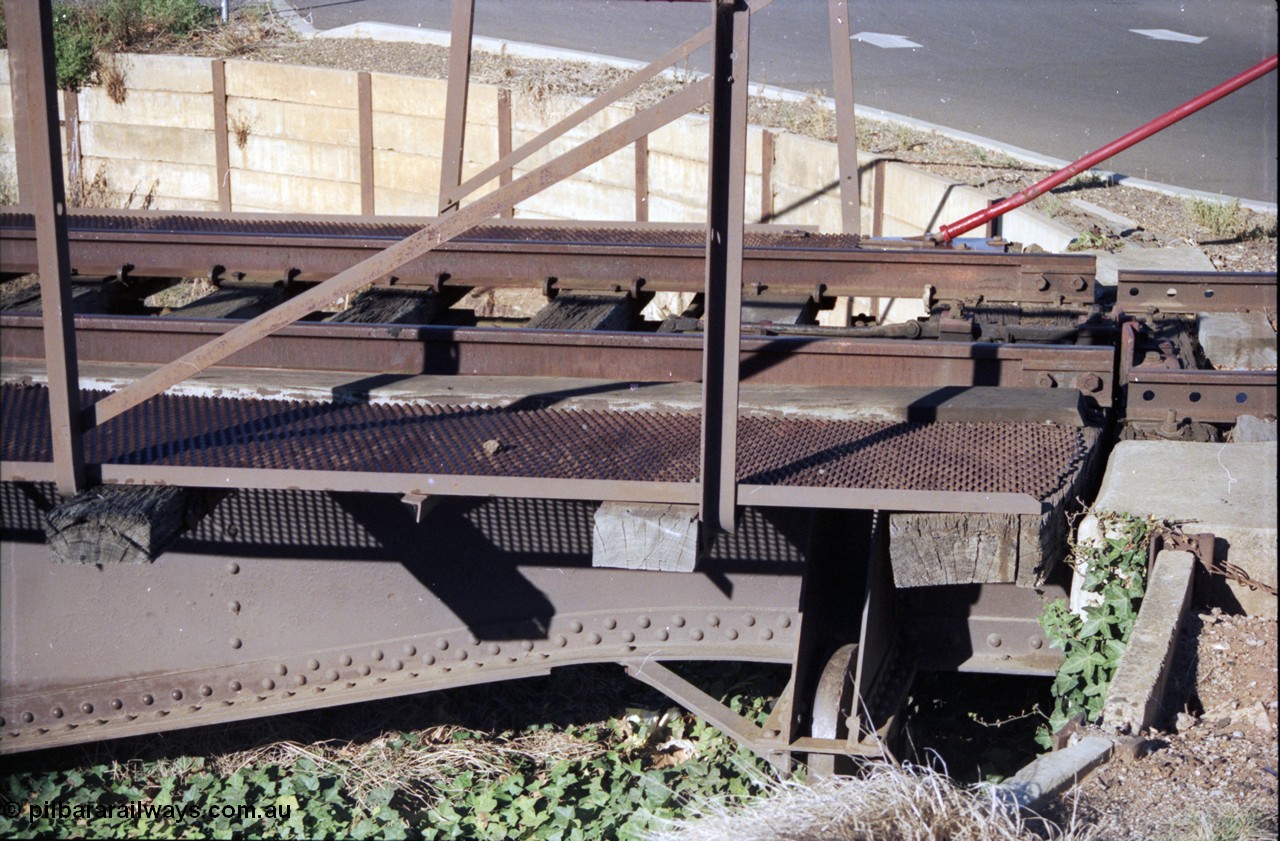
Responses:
[40,150]
[968,223]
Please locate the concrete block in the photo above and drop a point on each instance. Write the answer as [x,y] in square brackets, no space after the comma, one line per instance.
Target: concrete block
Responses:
[292,121]
[1031,227]
[1134,699]
[6,102]
[1168,258]
[270,192]
[402,133]
[650,537]
[688,137]
[1054,772]
[676,177]
[293,157]
[1226,489]
[406,173]
[664,209]
[147,143]
[148,108]
[1251,430]
[408,96]
[1237,340]
[291,83]
[184,74]
[582,199]
[173,181]
[388,201]
[4,67]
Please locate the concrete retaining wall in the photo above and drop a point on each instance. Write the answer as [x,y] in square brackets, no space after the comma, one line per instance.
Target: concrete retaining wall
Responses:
[294,144]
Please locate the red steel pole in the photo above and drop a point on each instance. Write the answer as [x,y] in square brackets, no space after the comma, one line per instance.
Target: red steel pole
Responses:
[968,223]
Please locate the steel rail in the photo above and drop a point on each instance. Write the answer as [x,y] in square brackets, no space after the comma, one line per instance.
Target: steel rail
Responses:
[622,357]
[186,246]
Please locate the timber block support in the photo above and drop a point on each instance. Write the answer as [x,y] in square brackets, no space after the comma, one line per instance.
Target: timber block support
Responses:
[652,537]
[569,311]
[382,305]
[233,300]
[119,525]
[934,549]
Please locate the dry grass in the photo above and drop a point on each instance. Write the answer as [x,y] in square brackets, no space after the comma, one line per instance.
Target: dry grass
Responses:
[113,75]
[904,803]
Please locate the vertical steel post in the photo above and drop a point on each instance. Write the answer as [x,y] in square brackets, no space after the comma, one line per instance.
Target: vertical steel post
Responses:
[766,175]
[455,106]
[504,143]
[642,179]
[364,119]
[39,146]
[725,213]
[221,140]
[846,126]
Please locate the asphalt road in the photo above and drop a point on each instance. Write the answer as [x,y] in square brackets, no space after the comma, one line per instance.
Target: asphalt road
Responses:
[1057,77]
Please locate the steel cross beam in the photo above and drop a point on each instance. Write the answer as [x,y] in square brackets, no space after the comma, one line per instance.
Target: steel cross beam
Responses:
[846,125]
[31,31]
[725,219]
[455,106]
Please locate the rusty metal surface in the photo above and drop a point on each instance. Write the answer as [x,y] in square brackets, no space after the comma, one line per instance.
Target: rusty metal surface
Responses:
[637,447]
[1196,291]
[1199,395]
[298,600]
[668,258]
[625,357]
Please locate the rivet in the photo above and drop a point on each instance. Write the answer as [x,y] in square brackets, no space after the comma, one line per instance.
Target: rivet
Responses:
[206,690]
[28,717]
[766,634]
[462,654]
[313,664]
[376,655]
[594,638]
[176,694]
[772,733]
[428,660]
[677,621]
[147,700]
[561,641]
[117,704]
[233,568]
[345,660]
[234,686]
[442,644]
[627,636]
[663,635]
[1042,283]
[396,665]
[364,670]
[575,626]
[643,622]
[748,620]
[472,639]
[731,633]
[233,606]
[713,620]
[994,640]
[236,642]
[298,680]
[56,712]
[610,623]
[527,645]
[410,650]
[281,669]
[784,622]
[267,684]
[331,675]
[493,648]
[85,708]
[697,633]
[1036,642]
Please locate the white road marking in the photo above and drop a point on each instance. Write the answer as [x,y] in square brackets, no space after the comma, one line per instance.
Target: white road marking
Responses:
[1168,35]
[885,42]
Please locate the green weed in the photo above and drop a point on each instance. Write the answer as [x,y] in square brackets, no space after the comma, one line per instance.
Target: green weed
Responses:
[1114,575]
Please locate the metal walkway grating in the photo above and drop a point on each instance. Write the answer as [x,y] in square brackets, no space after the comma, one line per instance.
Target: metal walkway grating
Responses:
[548,443]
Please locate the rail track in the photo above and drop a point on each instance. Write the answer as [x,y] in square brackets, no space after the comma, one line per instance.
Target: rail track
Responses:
[209,518]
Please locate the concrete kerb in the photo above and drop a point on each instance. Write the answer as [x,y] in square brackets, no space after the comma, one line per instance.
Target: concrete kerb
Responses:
[1134,697]
[407,34]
